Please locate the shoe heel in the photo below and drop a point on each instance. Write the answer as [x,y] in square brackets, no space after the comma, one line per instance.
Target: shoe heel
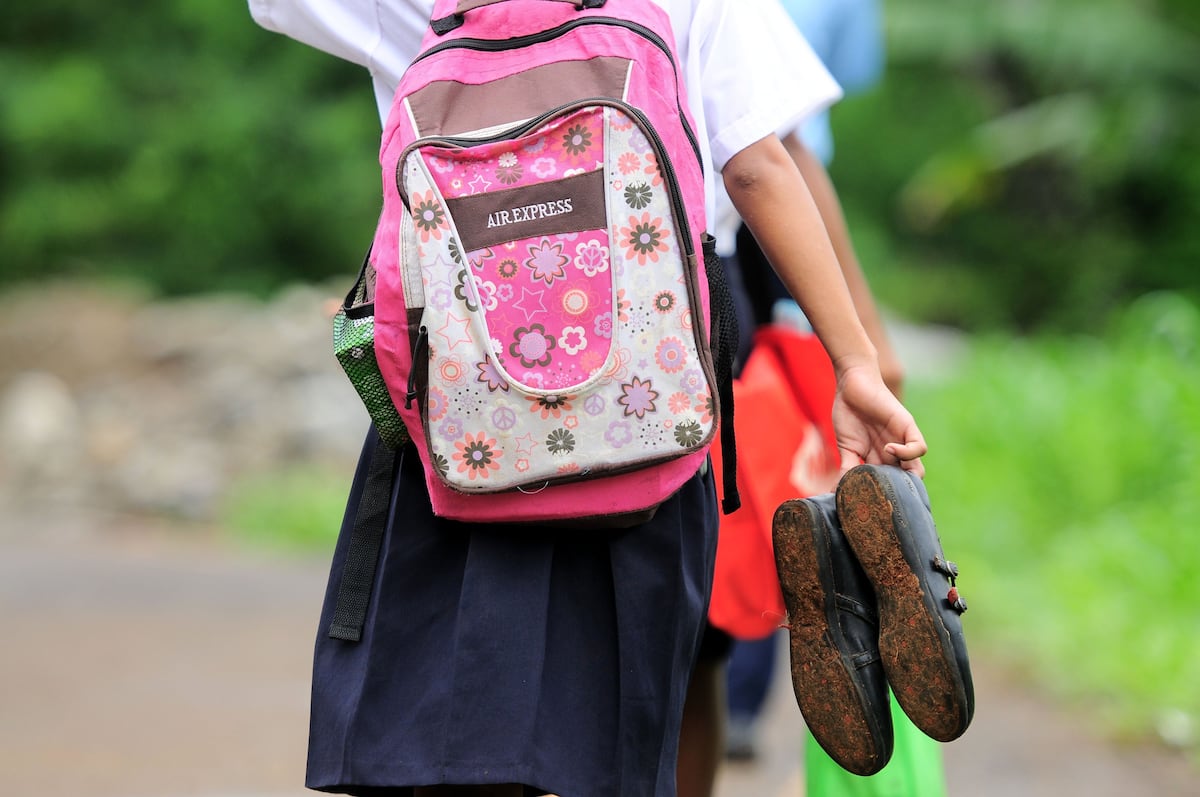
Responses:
[920,640]
[852,729]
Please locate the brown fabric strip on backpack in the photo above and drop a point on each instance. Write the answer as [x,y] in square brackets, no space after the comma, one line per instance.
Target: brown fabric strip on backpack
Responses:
[571,204]
[450,108]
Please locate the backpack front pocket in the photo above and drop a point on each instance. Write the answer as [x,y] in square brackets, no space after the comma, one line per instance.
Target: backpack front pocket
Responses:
[560,304]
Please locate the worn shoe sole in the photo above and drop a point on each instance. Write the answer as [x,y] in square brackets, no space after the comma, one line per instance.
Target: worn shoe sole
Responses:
[849,718]
[920,634]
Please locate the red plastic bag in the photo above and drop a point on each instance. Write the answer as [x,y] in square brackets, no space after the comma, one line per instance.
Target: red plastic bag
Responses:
[783,405]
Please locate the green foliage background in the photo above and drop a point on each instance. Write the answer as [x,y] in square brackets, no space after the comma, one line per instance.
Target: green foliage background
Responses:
[1023,165]
[178,143]
[1028,165]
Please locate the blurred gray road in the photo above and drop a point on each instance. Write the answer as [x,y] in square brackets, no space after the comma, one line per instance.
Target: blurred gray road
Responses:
[137,662]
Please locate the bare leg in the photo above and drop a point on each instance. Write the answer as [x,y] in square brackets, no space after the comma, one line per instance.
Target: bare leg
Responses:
[701,738]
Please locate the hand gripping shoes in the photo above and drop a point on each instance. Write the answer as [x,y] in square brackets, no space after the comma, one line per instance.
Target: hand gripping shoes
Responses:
[885,515]
[837,674]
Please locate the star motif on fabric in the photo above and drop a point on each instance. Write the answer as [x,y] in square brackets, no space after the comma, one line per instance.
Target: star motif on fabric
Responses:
[526,444]
[440,271]
[479,184]
[454,331]
[531,303]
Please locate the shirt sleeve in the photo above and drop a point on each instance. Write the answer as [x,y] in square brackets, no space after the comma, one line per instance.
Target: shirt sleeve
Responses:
[757,74]
[381,36]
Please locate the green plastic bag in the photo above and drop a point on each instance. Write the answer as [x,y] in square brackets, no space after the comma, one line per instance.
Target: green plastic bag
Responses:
[914,771]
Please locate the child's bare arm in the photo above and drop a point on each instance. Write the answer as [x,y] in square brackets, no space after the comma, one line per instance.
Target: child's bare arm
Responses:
[830,207]
[772,198]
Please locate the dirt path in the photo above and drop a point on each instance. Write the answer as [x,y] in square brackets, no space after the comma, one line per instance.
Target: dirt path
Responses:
[137,663]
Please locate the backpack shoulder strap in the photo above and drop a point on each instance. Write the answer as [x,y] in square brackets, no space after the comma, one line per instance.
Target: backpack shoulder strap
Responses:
[366,539]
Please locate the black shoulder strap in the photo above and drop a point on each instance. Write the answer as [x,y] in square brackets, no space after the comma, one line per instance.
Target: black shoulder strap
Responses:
[366,539]
[723,335]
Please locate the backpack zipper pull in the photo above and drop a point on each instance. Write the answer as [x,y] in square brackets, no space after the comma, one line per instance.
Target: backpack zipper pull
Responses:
[420,349]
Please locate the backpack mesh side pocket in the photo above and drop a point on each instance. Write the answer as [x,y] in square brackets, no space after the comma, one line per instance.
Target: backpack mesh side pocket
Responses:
[354,347]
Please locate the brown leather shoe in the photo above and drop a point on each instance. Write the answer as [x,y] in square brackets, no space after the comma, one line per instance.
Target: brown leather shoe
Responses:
[839,681]
[885,514]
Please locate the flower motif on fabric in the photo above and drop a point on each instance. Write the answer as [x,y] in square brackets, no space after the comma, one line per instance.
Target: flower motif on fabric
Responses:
[487,291]
[462,294]
[629,162]
[508,168]
[507,268]
[531,345]
[573,340]
[546,260]
[428,216]
[435,404]
[652,169]
[578,139]
[451,428]
[602,325]
[619,434]
[706,408]
[560,441]
[670,355]
[479,257]
[534,379]
[638,195]
[591,257]
[618,366]
[575,302]
[688,434]
[549,406]
[679,402]
[440,464]
[624,305]
[692,381]
[455,251]
[535,146]
[644,238]
[476,455]
[664,302]
[490,376]
[592,361]
[544,167]
[638,397]
[451,371]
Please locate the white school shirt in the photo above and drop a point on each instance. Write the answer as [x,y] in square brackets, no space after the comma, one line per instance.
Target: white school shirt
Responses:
[749,72]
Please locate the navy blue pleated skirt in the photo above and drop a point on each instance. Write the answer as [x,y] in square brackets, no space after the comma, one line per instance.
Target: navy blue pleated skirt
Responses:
[554,658]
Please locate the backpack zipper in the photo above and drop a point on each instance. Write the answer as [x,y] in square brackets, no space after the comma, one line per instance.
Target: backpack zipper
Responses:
[541,37]
[660,151]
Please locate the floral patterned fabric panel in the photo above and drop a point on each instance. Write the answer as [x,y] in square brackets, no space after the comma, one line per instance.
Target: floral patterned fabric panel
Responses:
[558,310]
[547,297]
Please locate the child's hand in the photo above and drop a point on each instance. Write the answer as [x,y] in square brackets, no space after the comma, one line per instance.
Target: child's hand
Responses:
[872,425]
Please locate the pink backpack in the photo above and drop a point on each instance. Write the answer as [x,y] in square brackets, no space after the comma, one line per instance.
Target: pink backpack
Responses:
[537,288]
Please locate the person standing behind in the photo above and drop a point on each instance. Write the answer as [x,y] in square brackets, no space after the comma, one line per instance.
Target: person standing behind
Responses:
[847,36]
